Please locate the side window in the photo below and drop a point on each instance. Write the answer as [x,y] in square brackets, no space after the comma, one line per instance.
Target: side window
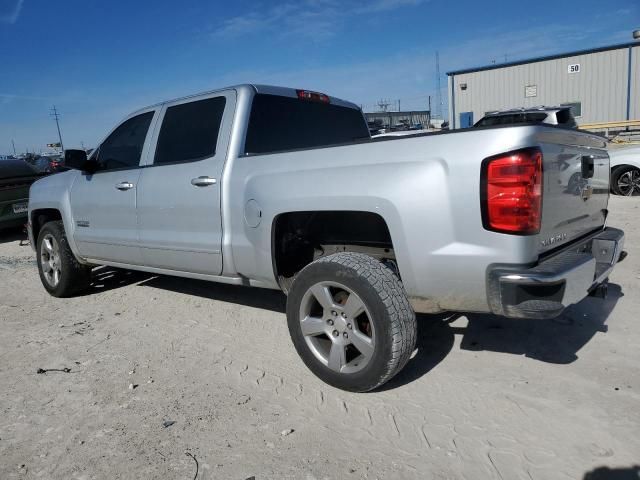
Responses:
[122,149]
[190,131]
[576,108]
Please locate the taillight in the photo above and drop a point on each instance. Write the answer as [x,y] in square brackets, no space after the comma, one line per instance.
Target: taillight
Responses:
[313,96]
[511,192]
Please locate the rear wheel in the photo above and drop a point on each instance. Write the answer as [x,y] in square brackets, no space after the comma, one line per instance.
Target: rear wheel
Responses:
[626,181]
[60,272]
[350,321]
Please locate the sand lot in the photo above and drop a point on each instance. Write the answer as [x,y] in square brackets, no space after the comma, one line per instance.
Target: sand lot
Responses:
[483,398]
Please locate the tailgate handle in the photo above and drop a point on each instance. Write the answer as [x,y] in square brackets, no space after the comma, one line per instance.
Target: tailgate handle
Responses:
[587,166]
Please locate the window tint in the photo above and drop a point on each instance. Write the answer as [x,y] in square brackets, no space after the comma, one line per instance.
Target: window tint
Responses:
[566,118]
[190,131]
[122,149]
[283,123]
[512,118]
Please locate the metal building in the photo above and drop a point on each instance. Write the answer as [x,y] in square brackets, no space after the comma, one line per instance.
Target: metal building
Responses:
[391,119]
[601,84]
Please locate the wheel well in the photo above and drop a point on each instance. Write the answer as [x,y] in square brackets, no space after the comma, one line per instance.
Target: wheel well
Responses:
[301,237]
[624,165]
[42,216]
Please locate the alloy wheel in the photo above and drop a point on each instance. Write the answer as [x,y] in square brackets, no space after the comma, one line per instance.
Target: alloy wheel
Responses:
[50,260]
[337,327]
[629,183]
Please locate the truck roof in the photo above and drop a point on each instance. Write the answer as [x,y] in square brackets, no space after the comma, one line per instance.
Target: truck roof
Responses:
[255,88]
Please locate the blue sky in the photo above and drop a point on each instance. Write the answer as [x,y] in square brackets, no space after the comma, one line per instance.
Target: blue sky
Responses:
[97,61]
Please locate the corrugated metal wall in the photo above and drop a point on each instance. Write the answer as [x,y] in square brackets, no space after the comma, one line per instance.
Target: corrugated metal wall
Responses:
[635,85]
[600,87]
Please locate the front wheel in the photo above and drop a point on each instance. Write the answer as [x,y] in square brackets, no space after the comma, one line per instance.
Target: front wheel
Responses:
[350,321]
[60,272]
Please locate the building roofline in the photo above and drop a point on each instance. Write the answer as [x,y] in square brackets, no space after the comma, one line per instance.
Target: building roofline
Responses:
[544,58]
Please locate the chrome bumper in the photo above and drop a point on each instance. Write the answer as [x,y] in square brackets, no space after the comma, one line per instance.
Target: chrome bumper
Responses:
[546,289]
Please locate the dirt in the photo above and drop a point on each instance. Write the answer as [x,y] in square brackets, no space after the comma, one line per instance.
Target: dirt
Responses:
[167,375]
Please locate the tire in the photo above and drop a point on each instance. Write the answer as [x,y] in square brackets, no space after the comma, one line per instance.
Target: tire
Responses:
[350,321]
[60,272]
[626,181]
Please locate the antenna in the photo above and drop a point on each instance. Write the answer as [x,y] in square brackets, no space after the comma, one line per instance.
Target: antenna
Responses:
[55,115]
[438,113]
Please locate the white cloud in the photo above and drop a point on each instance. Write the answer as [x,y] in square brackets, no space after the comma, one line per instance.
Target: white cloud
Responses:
[313,19]
[12,15]
[385,5]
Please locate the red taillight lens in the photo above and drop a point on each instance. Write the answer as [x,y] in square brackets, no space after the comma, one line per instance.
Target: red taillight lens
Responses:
[512,192]
[312,96]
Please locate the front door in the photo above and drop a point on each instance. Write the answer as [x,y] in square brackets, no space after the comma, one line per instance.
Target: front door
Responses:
[103,205]
[179,216]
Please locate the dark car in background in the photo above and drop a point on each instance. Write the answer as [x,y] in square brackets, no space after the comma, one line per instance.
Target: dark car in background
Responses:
[16,176]
[49,165]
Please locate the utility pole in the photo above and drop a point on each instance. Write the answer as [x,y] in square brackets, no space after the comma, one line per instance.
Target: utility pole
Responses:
[55,115]
[399,109]
[14,147]
[438,88]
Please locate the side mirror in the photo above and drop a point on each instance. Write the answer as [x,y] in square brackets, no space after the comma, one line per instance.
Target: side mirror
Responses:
[77,159]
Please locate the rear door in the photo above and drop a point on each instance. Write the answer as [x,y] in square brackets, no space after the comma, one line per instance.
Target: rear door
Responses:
[179,216]
[103,205]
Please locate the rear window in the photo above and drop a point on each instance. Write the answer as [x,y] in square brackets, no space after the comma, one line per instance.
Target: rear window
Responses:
[512,118]
[15,168]
[282,123]
[566,118]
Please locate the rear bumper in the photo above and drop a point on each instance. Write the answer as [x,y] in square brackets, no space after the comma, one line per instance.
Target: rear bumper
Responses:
[546,289]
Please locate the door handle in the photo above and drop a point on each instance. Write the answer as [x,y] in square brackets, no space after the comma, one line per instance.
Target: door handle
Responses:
[124,185]
[203,181]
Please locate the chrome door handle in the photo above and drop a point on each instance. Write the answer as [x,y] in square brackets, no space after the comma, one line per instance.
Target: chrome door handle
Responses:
[124,185]
[203,181]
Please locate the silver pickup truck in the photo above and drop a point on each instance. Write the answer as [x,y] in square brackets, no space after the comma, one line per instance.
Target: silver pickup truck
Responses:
[281,188]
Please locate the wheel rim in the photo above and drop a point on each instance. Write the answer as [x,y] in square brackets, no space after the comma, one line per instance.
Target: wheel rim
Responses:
[629,183]
[50,260]
[337,327]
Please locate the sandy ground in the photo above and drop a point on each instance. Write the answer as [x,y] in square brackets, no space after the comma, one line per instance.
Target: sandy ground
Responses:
[483,398]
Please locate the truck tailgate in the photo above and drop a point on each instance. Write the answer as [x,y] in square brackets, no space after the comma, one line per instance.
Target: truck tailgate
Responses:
[575,186]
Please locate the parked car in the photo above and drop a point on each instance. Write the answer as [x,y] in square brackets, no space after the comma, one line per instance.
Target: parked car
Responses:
[279,188]
[16,176]
[46,164]
[561,116]
[625,170]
